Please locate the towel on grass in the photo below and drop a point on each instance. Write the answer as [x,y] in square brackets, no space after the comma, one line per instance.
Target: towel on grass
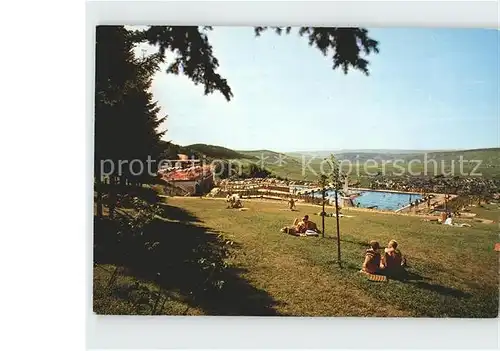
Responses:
[374,277]
[309,233]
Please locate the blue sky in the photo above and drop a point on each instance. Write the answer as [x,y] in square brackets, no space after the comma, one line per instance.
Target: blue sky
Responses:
[428,89]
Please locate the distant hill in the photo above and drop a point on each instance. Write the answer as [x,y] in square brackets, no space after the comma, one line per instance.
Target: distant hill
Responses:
[218,152]
[376,151]
[297,165]
[262,153]
[279,163]
[273,159]
[361,154]
[488,157]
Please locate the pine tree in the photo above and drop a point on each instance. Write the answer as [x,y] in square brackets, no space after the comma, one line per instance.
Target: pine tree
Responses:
[126,117]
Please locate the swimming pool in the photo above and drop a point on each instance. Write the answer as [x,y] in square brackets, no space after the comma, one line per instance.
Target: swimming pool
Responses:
[380,199]
[384,200]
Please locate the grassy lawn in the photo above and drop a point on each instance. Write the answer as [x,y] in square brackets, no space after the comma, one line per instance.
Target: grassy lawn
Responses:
[487,211]
[453,271]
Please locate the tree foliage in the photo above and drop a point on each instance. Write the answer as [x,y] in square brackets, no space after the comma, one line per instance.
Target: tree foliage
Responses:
[346,45]
[255,171]
[192,54]
[126,116]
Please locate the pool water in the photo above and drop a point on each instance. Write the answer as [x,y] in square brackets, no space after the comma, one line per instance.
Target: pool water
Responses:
[384,200]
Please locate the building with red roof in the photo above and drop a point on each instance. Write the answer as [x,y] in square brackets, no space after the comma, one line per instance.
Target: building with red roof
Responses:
[194,180]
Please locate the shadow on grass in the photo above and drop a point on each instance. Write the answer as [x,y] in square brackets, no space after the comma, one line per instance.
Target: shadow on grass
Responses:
[402,276]
[440,289]
[419,281]
[347,266]
[177,214]
[406,276]
[184,258]
[362,244]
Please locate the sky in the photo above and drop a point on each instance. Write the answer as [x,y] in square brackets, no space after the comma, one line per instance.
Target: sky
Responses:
[427,89]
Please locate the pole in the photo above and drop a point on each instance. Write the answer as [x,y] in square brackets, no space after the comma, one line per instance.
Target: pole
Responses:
[323,215]
[338,228]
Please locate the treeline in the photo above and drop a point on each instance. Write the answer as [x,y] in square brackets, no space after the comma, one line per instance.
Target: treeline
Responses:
[171,151]
[217,152]
[202,151]
[469,186]
[225,169]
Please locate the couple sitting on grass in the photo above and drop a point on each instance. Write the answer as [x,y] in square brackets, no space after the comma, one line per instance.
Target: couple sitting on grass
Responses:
[303,227]
[391,262]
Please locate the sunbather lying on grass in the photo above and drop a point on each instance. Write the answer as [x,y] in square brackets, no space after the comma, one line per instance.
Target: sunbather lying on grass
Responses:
[301,228]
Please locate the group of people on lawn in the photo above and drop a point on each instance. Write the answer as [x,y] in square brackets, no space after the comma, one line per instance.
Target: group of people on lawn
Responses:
[389,263]
[302,227]
[234,201]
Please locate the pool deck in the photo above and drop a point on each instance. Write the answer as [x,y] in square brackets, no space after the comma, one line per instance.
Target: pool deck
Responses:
[439,199]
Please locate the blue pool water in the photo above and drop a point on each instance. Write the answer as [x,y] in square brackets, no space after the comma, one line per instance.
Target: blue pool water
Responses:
[383,200]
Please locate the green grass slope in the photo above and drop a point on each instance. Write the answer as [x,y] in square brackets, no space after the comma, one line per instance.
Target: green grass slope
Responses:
[217,152]
[453,271]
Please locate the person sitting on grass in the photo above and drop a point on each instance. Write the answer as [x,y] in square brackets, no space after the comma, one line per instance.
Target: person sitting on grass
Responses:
[293,229]
[372,261]
[393,261]
[306,225]
[299,228]
[449,221]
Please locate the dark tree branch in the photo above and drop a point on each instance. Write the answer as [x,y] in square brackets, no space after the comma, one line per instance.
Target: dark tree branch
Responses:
[346,44]
[193,54]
